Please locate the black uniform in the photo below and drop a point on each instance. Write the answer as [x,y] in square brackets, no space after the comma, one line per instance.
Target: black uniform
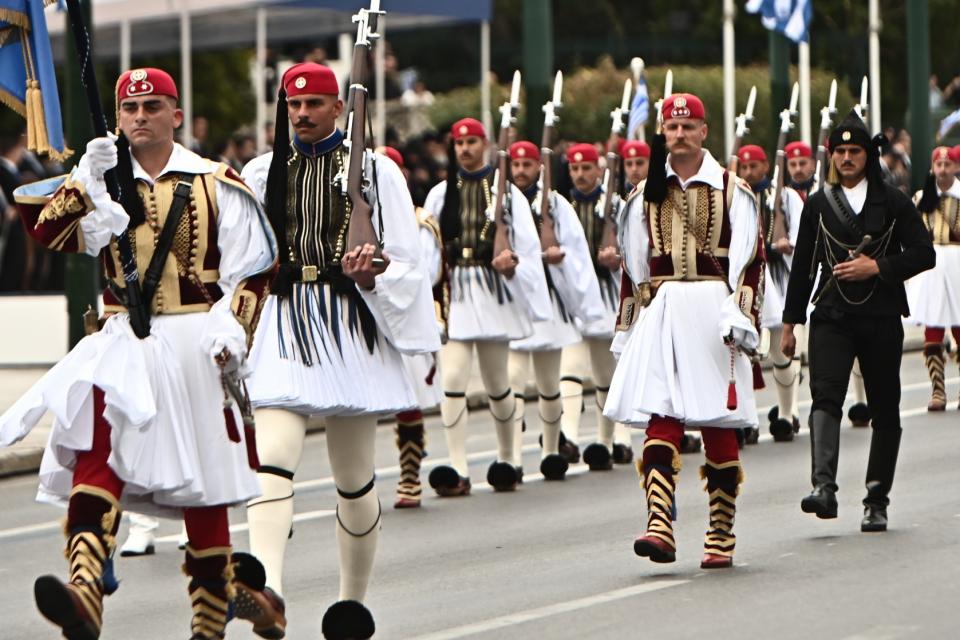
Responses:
[855,320]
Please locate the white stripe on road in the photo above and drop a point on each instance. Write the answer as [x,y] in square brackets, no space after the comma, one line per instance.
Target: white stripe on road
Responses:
[327,482]
[30,528]
[548,611]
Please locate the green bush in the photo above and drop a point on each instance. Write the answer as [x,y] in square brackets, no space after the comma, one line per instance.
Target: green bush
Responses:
[591,93]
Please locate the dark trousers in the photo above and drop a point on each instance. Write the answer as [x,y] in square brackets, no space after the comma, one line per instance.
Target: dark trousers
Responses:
[877,342]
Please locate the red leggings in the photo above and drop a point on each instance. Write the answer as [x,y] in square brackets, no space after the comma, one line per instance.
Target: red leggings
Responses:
[937,334]
[719,444]
[206,526]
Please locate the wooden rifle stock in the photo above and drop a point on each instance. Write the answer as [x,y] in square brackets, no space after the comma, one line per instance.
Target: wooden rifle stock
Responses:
[360,229]
[548,230]
[609,236]
[501,237]
[779,218]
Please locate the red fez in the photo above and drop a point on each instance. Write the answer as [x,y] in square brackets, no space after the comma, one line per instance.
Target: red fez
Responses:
[798,149]
[145,82]
[750,152]
[524,149]
[635,149]
[683,105]
[393,154]
[955,153]
[310,78]
[583,152]
[942,153]
[468,127]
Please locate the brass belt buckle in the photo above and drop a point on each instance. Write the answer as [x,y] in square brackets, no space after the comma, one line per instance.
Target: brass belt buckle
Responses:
[467,253]
[308,273]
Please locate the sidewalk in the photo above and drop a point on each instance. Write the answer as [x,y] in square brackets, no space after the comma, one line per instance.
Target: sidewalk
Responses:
[24,457]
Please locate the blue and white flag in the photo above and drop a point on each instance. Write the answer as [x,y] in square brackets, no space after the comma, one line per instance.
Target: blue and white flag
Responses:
[948,123]
[28,81]
[789,17]
[639,110]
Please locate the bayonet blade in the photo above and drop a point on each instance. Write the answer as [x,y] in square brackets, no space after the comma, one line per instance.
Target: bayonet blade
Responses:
[625,102]
[864,87]
[751,103]
[515,89]
[668,84]
[832,103]
[795,97]
[557,89]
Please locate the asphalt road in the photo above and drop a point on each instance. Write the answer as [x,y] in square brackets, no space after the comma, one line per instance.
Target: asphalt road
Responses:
[555,560]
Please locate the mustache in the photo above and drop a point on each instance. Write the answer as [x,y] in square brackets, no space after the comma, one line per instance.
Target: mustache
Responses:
[303,122]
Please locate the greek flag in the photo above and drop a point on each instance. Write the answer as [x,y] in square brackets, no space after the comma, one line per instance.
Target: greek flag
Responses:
[789,17]
[948,123]
[639,110]
[28,82]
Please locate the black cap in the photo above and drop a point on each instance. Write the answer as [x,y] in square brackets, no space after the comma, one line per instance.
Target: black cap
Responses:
[851,130]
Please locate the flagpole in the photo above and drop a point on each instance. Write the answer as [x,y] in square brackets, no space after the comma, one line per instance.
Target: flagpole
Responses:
[875,26]
[729,77]
[804,72]
[139,319]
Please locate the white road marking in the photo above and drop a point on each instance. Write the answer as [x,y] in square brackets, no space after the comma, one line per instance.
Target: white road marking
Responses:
[530,615]
[787,555]
[30,528]
[885,632]
[236,528]
[327,482]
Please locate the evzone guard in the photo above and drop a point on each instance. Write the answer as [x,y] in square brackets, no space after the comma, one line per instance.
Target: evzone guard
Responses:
[752,168]
[334,328]
[494,298]
[934,295]
[140,419]
[422,369]
[587,201]
[690,238]
[574,294]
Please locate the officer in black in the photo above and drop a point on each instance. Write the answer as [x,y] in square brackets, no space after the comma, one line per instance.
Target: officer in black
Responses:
[866,238]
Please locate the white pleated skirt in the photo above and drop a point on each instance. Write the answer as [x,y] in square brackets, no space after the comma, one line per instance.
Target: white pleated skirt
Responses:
[484,307]
[556,333]
[934,295]
[310,356]
[164,403]
[423,371]
[771,315]
[675,364]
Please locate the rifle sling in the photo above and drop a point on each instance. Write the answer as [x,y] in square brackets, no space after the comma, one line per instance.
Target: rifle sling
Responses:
[151,279]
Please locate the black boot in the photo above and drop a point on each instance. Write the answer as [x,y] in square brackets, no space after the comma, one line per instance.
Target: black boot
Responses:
[825,454]
[881,466]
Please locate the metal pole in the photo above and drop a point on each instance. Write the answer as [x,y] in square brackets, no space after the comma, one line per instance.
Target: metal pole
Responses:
[729,76]
[806,134]
[779,79]
[81,280]
[260,79]
[486,114]
[124,45]
[186,79]
[918,79]
[875,26]
[537,61]
[380,54]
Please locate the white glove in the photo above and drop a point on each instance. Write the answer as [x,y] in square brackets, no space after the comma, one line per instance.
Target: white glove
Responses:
[101,155]
[223,332]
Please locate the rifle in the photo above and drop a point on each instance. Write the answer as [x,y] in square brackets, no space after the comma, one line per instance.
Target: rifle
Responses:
[360,230]
[611,173]
[743,128]
[863,108]
[780,170]
[138,312]
[501,156]
[826,115]
[548,231]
